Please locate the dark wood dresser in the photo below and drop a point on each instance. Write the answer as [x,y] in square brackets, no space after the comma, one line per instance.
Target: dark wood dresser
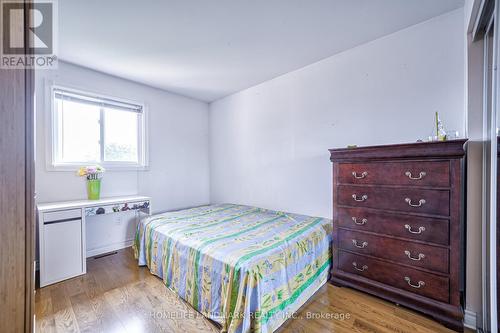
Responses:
[398,221]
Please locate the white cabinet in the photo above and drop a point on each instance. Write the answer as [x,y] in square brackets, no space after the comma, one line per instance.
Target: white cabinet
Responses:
[71,231]
[61,246]
[63,250]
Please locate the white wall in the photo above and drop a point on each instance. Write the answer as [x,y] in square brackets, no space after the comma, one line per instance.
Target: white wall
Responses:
[269,143]
[178,144]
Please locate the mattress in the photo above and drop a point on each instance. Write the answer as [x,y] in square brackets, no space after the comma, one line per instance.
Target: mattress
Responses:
[247,268]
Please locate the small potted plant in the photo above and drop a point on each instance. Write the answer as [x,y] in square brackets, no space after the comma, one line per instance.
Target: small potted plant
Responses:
[93,175]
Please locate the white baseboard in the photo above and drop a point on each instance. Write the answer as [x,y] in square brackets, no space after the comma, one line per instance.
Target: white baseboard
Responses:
[109,248]
[470,319]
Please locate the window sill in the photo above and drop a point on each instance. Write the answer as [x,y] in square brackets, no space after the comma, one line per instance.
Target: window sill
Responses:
[107,167]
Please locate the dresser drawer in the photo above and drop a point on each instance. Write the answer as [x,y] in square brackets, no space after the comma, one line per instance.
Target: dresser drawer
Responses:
[413,227]
[399,199]
[412,280]
[62,215]
[406,252]
[396,173]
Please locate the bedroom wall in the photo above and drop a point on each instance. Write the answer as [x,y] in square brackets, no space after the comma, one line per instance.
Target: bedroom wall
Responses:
[269,143]
[178,175]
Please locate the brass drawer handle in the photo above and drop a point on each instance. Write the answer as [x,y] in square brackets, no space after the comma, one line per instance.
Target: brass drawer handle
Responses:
[420,202]
[355,220]
[420,175]
[362,269]
[420,256]
[363,197]
[420,229]
[417,286]
[363,175]
[362,246]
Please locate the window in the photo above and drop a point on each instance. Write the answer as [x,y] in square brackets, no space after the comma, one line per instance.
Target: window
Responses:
[88,129]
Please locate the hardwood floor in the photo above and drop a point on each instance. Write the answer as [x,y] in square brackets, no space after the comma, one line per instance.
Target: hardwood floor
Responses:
[118,296]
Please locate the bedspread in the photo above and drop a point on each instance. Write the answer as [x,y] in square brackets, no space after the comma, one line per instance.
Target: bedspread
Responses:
[247,268]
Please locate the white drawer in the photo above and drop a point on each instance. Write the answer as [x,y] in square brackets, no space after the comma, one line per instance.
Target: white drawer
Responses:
[62,251]
[62,215]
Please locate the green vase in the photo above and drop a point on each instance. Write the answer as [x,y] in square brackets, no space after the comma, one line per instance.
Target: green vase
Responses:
[94,189]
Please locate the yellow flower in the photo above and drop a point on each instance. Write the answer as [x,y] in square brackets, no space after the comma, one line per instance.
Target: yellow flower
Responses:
[82,171]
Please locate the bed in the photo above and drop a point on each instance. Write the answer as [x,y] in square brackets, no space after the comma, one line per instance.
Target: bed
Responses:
[246,268]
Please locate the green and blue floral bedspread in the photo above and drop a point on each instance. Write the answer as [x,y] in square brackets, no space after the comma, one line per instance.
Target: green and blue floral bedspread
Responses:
[247,268]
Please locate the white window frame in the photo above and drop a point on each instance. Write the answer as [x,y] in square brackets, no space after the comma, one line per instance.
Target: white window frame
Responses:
[52,129]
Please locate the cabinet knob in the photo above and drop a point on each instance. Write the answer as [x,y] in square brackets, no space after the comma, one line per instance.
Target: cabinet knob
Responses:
[420,202]
[418,258]
[361,199]
[355,220]
[362,246]
[362,269]
[420,175]
[363,175]
[419,285]
[410,230]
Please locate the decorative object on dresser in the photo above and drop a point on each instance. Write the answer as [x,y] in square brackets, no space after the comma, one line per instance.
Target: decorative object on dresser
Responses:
[398,225]
[93,175]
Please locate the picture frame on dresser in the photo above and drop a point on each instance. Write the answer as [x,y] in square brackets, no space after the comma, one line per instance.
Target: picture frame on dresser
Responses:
[398,218]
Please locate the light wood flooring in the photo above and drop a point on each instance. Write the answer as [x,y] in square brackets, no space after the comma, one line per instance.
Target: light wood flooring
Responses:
[118,296]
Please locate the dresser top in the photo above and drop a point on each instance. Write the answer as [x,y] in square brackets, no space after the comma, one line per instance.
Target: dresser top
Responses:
[50,206]
[416,150]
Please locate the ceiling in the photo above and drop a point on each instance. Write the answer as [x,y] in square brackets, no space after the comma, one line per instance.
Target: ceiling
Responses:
[208,49]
